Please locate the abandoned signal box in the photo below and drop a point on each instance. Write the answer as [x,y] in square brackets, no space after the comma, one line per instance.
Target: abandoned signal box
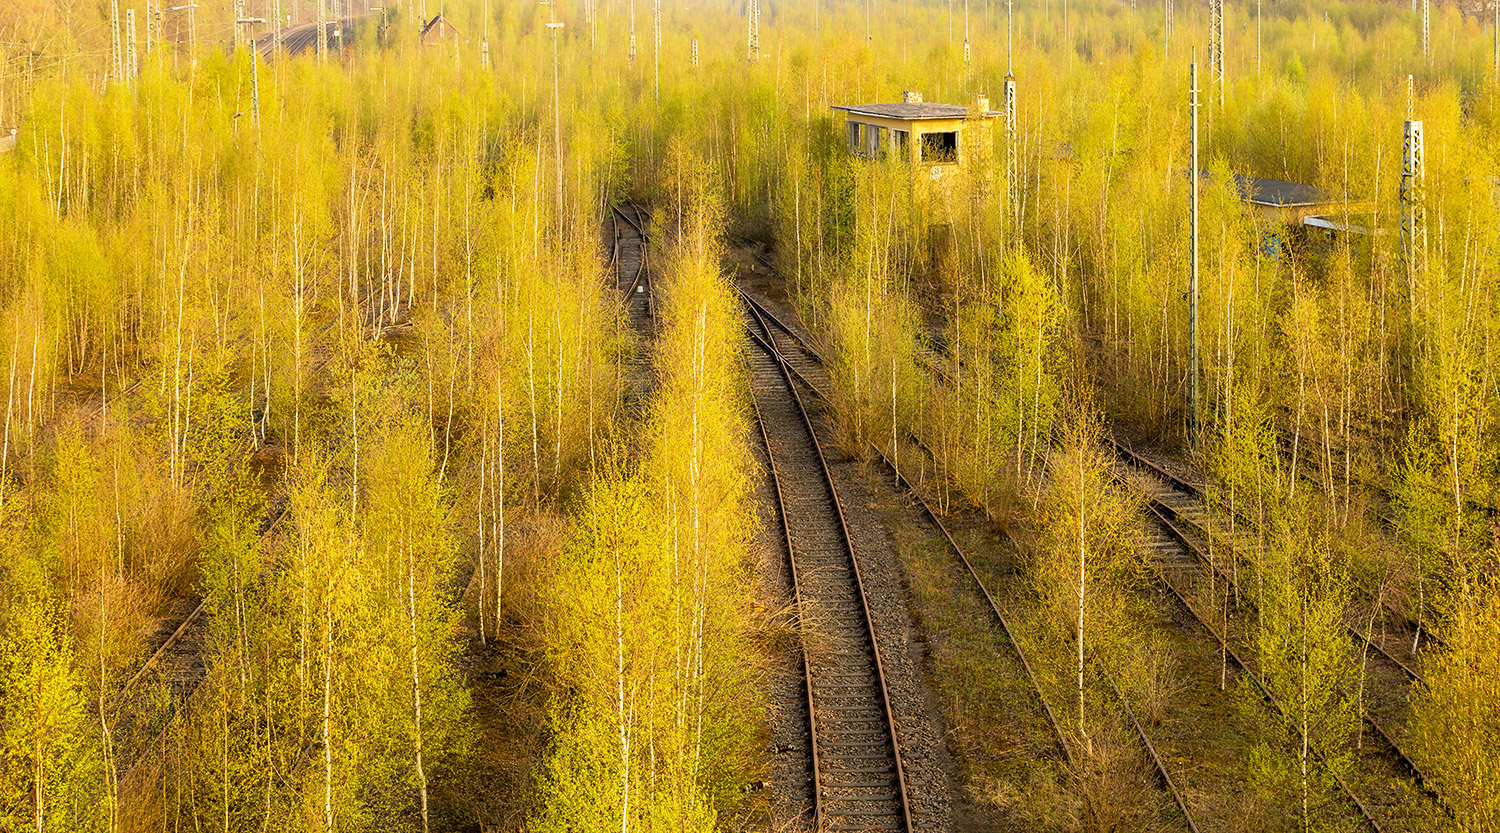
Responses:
[933,136]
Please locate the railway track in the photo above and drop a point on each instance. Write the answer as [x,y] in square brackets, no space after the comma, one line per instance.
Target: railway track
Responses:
[632,274]
[1180,549]
[165,684]
[1389,656]
[858,778]
[807,365]
[632,266]
[298,39]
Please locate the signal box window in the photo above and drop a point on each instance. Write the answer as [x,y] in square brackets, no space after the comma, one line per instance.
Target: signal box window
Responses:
[940,148]
[899,139]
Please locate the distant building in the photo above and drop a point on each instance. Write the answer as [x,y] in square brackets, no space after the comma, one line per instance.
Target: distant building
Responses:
[1297,214]
[1291,203]
[439,29]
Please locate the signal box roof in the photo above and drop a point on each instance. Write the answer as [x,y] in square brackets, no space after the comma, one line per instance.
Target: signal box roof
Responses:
[911,111]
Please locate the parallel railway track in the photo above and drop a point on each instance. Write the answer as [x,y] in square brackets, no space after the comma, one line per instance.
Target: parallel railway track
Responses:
[1180,551]
[859,782]
[1182,565]
[802,361]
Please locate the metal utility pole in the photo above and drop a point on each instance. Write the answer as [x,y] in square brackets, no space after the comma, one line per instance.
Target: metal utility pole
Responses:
[1010,150]
[116,59]
[1413,212]
[239,37]
[1009,95]
[161,27]
[322,30]
[1216,47]
[753,38]
[556,118]
[694,52]
[1192,416]
[1426,28]
[967,63]
[132,69]
[752,34]
[1009,28]
[276,29]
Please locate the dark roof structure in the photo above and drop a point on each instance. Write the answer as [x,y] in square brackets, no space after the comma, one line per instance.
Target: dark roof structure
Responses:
[911,111]
[1278,194]
[438,26]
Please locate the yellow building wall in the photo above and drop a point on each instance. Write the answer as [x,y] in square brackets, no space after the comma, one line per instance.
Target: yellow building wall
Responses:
[936,182]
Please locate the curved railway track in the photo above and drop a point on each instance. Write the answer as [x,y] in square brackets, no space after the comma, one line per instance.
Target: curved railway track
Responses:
[859,782]
[631,262]
[1179,554]
[294,40]
[1180,551]
[632,266]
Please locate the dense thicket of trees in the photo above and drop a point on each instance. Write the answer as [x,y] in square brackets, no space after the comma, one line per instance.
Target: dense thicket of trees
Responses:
[648,625]
[366,289]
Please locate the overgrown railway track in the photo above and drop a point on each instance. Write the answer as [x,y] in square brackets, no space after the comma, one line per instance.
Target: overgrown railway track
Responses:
[801,361]
[1181,550]
[631,263]
[164,685]
[859,782]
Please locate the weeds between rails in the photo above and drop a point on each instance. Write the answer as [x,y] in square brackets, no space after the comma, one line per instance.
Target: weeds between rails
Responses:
[1171,519]
[853,775]
[1403,761]
[179,655]
[1198,494]
[800,343]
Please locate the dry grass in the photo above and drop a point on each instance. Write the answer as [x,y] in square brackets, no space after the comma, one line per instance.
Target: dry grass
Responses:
[510,689]
[1151,678]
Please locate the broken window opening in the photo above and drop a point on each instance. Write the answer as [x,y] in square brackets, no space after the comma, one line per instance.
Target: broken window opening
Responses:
[940,148]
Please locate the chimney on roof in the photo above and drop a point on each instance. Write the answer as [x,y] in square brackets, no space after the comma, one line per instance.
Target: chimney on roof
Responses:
[911,97]
[981,104]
